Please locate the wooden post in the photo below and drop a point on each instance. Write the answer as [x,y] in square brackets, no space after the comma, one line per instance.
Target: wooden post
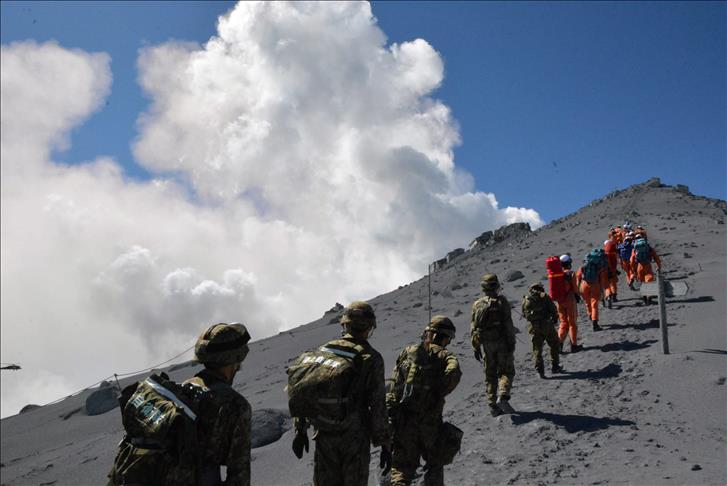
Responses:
[429,283]
[662,314]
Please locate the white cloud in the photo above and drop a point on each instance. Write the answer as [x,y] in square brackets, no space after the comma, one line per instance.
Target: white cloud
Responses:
[321,167]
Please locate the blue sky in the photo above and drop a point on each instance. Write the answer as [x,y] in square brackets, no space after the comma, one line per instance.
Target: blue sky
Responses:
[557,102]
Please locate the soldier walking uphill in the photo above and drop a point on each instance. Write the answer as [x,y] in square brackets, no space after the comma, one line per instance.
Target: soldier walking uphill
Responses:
[542,315]
[494,333]
[180,435]
[339,390]
[424,374]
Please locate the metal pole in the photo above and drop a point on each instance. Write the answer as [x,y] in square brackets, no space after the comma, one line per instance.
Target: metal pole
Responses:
[429,282]
[662,314]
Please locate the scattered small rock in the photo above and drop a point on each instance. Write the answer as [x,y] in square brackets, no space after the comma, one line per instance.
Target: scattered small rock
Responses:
[459,313]
[696,467]
[720,381]
[418,304]
[687,255]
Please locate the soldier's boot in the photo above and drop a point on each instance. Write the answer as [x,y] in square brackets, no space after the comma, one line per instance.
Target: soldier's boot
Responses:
[574,348]
[495,411]
[503,403]
[596,327]
[560,348]
[557,368]
[541,371]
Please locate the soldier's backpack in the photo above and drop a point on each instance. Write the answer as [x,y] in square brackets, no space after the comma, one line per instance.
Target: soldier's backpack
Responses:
[643,251]
[594,264]
[487,314]
[536,309]
[448,444]
[322,384]
[160,445]
[624,251]
[416,374]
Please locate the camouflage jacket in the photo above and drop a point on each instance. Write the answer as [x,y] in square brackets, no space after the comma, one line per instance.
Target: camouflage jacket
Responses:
[224,430]
[443,375]
[494,324]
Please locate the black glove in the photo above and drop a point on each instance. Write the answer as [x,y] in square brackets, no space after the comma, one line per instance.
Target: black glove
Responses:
[385,460]
[478,355]
[300,442]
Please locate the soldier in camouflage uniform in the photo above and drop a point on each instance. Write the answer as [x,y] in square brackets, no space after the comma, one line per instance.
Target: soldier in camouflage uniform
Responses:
[493,331]
[541,314]
[342,456]
[424,374]
[225,421]
[221,434]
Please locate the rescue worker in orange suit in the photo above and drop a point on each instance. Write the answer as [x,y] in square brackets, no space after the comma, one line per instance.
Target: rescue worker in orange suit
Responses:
[590,290]
[641,258]
[567,309]
[611,287]
[625,250]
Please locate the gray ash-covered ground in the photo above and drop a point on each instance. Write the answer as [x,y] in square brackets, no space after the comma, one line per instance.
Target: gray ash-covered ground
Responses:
[623,413]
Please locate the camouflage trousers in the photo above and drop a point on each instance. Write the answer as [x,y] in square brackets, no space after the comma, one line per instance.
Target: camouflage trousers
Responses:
[499,370]
[341,458]
[415,437]
[541,332]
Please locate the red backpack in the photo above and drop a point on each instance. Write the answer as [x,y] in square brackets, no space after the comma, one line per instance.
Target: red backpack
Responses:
[556,278]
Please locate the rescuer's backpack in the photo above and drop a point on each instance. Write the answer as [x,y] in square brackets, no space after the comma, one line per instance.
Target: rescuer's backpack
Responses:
[160,446]
[594,264]
[322,384]
[556,278]
[643,251]
[624,250]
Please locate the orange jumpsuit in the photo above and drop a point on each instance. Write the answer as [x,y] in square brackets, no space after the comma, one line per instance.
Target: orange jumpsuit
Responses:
[568,311]
[611,287]
[626,265]
[643,271]
[590,292]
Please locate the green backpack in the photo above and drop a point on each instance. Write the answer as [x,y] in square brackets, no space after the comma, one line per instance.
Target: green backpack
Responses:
[160,445]
[415,375]
[322,383]
[643,251]
[535,308]
[487,315]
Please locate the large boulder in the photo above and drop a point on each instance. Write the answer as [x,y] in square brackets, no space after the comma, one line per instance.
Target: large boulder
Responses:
[102,400]
[268,425]
[513,275]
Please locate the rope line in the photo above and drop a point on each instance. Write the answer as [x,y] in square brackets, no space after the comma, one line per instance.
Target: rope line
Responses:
[116,375]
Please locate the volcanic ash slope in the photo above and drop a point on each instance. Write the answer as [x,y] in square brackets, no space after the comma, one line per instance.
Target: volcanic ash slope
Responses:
[623,413]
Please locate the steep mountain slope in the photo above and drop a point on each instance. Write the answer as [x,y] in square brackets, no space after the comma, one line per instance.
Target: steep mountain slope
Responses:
[622,414]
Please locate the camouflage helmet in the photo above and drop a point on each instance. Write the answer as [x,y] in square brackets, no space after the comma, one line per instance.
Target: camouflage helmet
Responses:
[359,316]
[222,344]
[442,325]
[489,281]
[537,286]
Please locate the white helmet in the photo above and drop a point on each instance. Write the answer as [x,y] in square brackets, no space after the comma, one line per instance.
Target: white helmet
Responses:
[565,259]
[606,242]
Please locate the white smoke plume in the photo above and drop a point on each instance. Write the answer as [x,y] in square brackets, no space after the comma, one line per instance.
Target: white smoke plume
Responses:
[298,160]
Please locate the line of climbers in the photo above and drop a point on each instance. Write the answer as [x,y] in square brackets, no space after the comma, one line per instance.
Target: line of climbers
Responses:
[180,434]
